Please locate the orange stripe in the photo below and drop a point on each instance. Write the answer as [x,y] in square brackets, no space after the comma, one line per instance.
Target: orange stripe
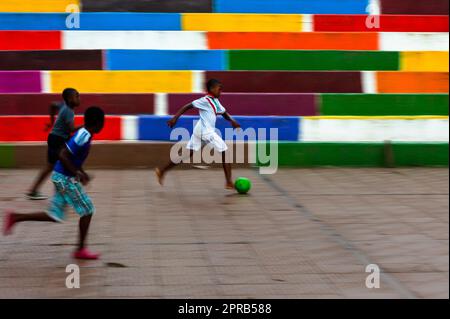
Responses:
[412,82]
[294,40]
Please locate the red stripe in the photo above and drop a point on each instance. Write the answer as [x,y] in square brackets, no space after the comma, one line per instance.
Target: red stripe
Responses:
[31,128]
[212,105]
[30,40]
[388,23]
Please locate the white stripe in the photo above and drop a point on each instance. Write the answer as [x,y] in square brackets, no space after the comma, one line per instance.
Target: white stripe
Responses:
[154,40]
[413,41]
[198,81]
[374,7]
[369,82]
[45,82]
[161,104]
[130,128]
[367,130]
[308,23]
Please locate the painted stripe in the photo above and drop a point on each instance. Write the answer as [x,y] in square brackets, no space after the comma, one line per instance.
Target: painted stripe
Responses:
[20,82]
[369,82]
[112,104]
[122,81]
[30,40]
[312,60]
[279,104]
[161,104]
[380,23]
[383,104]
[428,61]
[241,22]
[32,128]
[374,7]
[90,21]
[412,82]
[289,81]
[36,5]
[155,127]
[165,59]
[412,7]
[46,82]
[198,81]
[135,40]
[129,128]
[413,41]
[293,40]
[377,117]
[308,23]
[291,6]
[375,130]
[359,154]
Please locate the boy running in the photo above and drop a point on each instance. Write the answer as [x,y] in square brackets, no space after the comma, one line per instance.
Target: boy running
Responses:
[204,131]
[68,178]
[58,136]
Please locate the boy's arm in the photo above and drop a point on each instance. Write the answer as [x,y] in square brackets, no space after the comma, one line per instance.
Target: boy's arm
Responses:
[53,110]
[233,122]
[64,157]
[180,112]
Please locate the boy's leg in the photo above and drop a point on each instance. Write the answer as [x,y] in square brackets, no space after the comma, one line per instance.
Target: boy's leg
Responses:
[84,223]
[12,218]
[227,171]
[160,172]
[43,174]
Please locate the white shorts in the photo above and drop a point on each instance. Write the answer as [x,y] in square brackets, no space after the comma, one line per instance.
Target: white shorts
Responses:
[212,139]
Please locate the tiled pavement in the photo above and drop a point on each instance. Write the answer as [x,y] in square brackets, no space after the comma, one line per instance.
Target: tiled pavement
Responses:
[304,233]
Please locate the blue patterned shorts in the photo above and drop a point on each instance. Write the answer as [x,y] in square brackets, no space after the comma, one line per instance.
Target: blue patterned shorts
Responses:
[69,192]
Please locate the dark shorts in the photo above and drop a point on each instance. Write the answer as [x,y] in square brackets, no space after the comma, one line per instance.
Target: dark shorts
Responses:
[55,143]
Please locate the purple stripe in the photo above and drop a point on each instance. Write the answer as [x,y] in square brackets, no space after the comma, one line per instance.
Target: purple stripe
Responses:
[255,104]
[20,82]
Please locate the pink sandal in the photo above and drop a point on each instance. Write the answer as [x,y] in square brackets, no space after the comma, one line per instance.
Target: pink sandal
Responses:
[84,253]
[8,223]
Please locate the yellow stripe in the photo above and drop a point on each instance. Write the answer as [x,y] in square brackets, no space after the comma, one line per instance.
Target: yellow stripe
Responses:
[401,117]
[36,5]
[241,22]
[122,81]
[424,61]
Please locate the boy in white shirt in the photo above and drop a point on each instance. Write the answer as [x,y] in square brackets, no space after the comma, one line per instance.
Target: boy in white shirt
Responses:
[204,131]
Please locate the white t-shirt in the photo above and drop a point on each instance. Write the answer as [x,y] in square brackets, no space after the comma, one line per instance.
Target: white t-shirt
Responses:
[208,108]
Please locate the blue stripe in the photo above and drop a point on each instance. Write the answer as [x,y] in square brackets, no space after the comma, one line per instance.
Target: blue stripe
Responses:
[292,6]
[91,21]
[165,60]
[155,127]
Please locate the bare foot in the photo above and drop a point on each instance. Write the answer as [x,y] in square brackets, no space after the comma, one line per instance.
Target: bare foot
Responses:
[229,185]
[159,176]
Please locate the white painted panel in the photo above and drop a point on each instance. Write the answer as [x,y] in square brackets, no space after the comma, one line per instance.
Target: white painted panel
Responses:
[151,40]
[367,130]
[409,41]
[130,128]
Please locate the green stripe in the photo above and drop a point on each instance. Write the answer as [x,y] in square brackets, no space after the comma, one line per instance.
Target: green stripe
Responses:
[384,104]
[309,154]
[6,156]
[209,99]
[312,60]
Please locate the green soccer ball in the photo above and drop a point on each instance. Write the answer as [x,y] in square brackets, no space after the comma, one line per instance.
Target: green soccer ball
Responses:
[242,185]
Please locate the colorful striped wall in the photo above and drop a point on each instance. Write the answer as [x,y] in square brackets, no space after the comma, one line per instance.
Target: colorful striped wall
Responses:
[200,40]
[290,128]
[337,78]
[250,104]
[430,7]
[221,60]
[236,81]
